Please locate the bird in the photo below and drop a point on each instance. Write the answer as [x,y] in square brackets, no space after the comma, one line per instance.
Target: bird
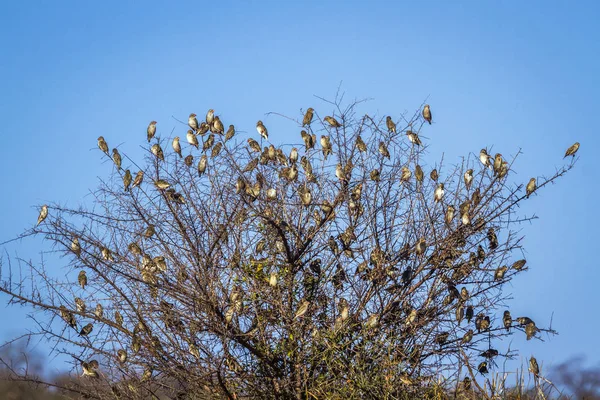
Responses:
[102,144]
[302,309]
[405,174]
[216,150]
[360,144]
[468,336]
[497,163]
[193,122]
[162,184]
[188,160]
[254,146]
[99,312]
[122,356]
[419,173]
[326,145]
[383,150]
[306,197]
[157,151]
[492,238]
[464,294]
[507,320]
[434,175]
[438,193]
[482,368]
[86,330]
[139,177]
[230,132]
[218,126]
[427,113]
[80,305]
[413,137]
[467,383]
[524,320]
[572,150]
[468,178]
[68,317]
[118,318]
[151,131]
[308,116]
[293,155]
[450,214]
[82,279]
[530,187]
[500,271]
[262,130]
[534,368]
[391,126]
[75,246]
[177,146]
[251,166]
[421,247]
[273,279]
[43,214]
[530,330]
[210,116]
[149,232]
[332,122]
[208,142]
[192,139]
[375,175]
[203,128]
[469,313]
[339,172]
[441,338]
[489,353]
[519,264]
[88,370]
[460,313]
[309,141]
[127,178]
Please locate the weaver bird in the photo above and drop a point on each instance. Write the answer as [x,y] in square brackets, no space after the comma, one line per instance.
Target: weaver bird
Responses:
[102,144]
[43,214]
[177,146]
[139,178]
[427,113]
[193,122]
[391,126]
[262,130]
[572,150]
[308,117]
[82,279]
[332,122]
[530,187]
[151,131]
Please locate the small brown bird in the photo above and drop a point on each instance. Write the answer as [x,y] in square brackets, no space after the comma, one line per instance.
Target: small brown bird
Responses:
[118,318]
[188,160]
[151,131]
[489,353]
[427,113]
[210,117]
[149,232]
[497,163]
[43,214]
[469,313]
[192,139]
[68,317]
[460,313]
[302,309]
[75,247]
[468,336]
[127,178]
[468,178]
[500,271]
[88,370]
[519,264]
[332,122]
[309,141]
[82,279]
[99,312]
[413,137]
[421,247]
[139,178]
[203,128]
[438,193]
[216,150]
[534,368]
[484,157]
[254,146]
[531,330]
[375,175]
[218,126]
[162,184]
[308,117]
[450,211]
[419,173]
[122,356]
[572,150]
[360,144]
[251,166]
[293,155]
[80,305]
[507,320]
[157,151]
[193,122]
[177,146]
[86,330]
[530,187]
[326,145]
[405,174]
[102,144]
[391,126]
[262,130]
[305,196]
[383,150]
[482,368]
[434,175]
[492,239]
[230,132]
[467,383]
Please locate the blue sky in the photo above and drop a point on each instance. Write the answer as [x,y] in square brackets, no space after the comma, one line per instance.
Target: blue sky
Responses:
[504,73]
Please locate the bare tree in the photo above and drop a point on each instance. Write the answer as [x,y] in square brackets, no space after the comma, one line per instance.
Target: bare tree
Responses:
[338,266]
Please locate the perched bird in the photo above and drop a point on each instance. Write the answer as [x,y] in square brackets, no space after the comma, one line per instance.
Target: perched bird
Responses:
[162,184]
[413,137]
[210,116]
[460,313]
[216,150]
[122,356]
[68,317]
[177,146]
[251,166]
[450,214]
[305,196]
[434,175]
[405,174]
[208,142]
[332,122]
[230,132]
[99,312]
[192,139]
[572,150]
[383,150]
[492,239]
[375,175]
[468,178]
[468,336]
[188,160]
[308,116]
[326,145]
[262,130]
[106,254]
[360,144]
[193,122]
[467,383]
[519,264]
[75,246]
[482,368]
[419,173]
[438,193]
[524,320]
[82,279]
[530,187]
[102,144]
[218,126]
[464,294]
[149,232]
[127,178]
[157,151]
[139,177]
[534,368]
[134,248]
[484,157]
[500,271]
[80,305]
[507,320]
[489,353]
[293,155]
[203,128]
[151,131]
[339,172]
[88,370]
[309,141]
[254,146]
[273,279]
[372,322]
[427,113]
[86,330]
[43,214]
[469,313]
[302,309]
[497,163]
[391,126]
[441,338]
[531,330]
[421,247]
[118,318]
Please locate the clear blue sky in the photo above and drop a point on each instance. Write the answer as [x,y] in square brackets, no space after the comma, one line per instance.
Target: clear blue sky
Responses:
[510,74]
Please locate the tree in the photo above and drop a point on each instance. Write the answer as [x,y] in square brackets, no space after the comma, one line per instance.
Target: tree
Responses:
[340,266]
